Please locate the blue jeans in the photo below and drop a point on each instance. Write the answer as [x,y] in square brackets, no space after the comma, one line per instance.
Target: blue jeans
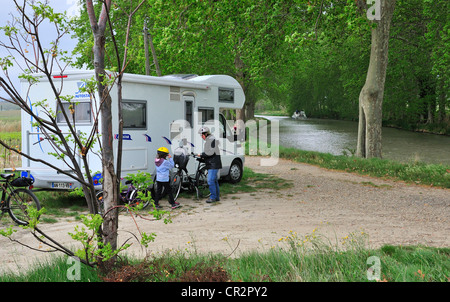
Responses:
[213,184]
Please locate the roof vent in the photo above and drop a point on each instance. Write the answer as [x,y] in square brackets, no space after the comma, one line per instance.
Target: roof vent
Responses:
[181,76]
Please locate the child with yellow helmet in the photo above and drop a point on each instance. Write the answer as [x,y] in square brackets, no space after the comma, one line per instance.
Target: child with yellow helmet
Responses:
[164,163]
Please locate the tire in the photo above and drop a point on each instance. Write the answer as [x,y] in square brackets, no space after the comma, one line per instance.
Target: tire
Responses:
[18,202]
[100,203]
[134,199]
[201,182]
[176,185]
[153,191]
[236,172]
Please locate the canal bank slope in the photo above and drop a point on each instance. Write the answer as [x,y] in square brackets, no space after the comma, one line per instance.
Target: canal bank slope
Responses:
[330,203]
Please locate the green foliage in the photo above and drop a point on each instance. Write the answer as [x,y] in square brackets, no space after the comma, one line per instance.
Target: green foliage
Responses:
[50,270]
[33,220]
[93,248]
[88,237]
[307,258]
[416,172]
[310,55]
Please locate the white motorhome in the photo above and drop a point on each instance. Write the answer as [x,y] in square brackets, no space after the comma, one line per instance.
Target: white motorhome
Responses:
[157,111]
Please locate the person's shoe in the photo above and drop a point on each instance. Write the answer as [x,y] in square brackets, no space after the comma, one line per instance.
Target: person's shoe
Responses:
[175,205]
[209,200]
[158,207]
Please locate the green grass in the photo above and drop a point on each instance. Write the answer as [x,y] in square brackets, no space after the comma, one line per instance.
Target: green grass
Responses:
[250,182]
[417,172]
[61,205]
[253,182]
[314,259]
[54,269]
[11,136]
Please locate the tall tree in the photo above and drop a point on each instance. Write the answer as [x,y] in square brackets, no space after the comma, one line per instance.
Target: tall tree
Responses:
[110,181]
[371,96]
[243,39]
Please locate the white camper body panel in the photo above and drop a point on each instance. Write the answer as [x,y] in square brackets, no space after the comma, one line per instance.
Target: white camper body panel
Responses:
[158,112]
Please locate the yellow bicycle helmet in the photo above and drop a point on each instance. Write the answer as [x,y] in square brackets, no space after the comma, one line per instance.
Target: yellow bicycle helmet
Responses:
[163,150]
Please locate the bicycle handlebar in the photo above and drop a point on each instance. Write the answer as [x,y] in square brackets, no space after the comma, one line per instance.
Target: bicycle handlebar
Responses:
[199,158]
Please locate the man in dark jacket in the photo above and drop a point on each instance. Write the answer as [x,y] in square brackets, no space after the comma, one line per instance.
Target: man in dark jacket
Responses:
[211,155]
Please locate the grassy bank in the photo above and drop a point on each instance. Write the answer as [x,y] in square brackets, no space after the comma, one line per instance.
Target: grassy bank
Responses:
[416,172]
[296,261]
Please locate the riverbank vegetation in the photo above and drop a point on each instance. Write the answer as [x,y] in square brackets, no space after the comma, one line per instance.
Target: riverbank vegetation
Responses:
[309,258]
[413,172]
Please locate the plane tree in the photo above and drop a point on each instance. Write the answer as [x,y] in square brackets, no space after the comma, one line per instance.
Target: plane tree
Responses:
[243,39]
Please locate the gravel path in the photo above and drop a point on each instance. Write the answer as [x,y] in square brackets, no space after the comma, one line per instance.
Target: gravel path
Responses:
[334,204]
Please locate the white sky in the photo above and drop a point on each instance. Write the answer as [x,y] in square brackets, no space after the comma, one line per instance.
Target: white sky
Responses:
[8,7]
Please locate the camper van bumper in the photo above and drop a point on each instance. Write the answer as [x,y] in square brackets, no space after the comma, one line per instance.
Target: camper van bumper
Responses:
[48,179]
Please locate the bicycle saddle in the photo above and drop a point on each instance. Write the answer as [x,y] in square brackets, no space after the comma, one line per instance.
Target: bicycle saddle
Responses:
[7,176]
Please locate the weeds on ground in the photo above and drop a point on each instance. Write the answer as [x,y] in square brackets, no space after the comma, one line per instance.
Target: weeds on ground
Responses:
[307,258]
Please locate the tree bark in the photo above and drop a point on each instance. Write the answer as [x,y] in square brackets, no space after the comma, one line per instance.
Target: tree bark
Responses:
[239,66]
[110,183]
[371,96]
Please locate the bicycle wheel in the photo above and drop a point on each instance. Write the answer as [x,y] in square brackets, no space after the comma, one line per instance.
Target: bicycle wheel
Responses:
[201,182]
[101,204]
[18,203]
[176,184]
[134,198]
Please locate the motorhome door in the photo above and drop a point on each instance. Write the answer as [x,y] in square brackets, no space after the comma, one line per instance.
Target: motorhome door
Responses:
[181,129]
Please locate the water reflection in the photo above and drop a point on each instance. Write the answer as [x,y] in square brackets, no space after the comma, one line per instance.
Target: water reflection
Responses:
[339,137]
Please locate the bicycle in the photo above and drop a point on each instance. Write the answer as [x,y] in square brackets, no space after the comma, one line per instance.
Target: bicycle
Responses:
[128,196]
[17,201]
[182,179]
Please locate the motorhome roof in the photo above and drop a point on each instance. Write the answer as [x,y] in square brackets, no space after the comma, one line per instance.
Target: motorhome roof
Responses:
[189,81]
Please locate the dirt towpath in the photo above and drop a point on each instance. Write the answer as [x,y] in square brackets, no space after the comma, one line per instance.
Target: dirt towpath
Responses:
[334,204]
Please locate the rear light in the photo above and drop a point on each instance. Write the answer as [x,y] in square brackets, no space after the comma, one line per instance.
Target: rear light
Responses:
[60,76]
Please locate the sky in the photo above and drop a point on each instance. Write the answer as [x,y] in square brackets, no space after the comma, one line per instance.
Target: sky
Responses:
[8,7]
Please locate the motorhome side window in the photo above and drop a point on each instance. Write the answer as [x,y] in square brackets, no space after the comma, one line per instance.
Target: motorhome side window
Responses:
[207,114]
[189,111]
[225,130]
[226,95]
[81,111]
[134,115]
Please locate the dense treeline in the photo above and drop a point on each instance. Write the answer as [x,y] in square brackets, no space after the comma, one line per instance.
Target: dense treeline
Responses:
[298,54]
[331,72]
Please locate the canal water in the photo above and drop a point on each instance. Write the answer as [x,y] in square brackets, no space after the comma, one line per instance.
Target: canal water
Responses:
[340,137]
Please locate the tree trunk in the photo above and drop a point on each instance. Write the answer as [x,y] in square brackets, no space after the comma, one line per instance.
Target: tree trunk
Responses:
[441,102]
[371,96]
[110,183]
[239,66]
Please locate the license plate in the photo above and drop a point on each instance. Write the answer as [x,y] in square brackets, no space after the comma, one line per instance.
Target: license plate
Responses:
[61,185]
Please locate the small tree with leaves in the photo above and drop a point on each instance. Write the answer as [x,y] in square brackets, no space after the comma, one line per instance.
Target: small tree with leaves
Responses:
[29,53]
